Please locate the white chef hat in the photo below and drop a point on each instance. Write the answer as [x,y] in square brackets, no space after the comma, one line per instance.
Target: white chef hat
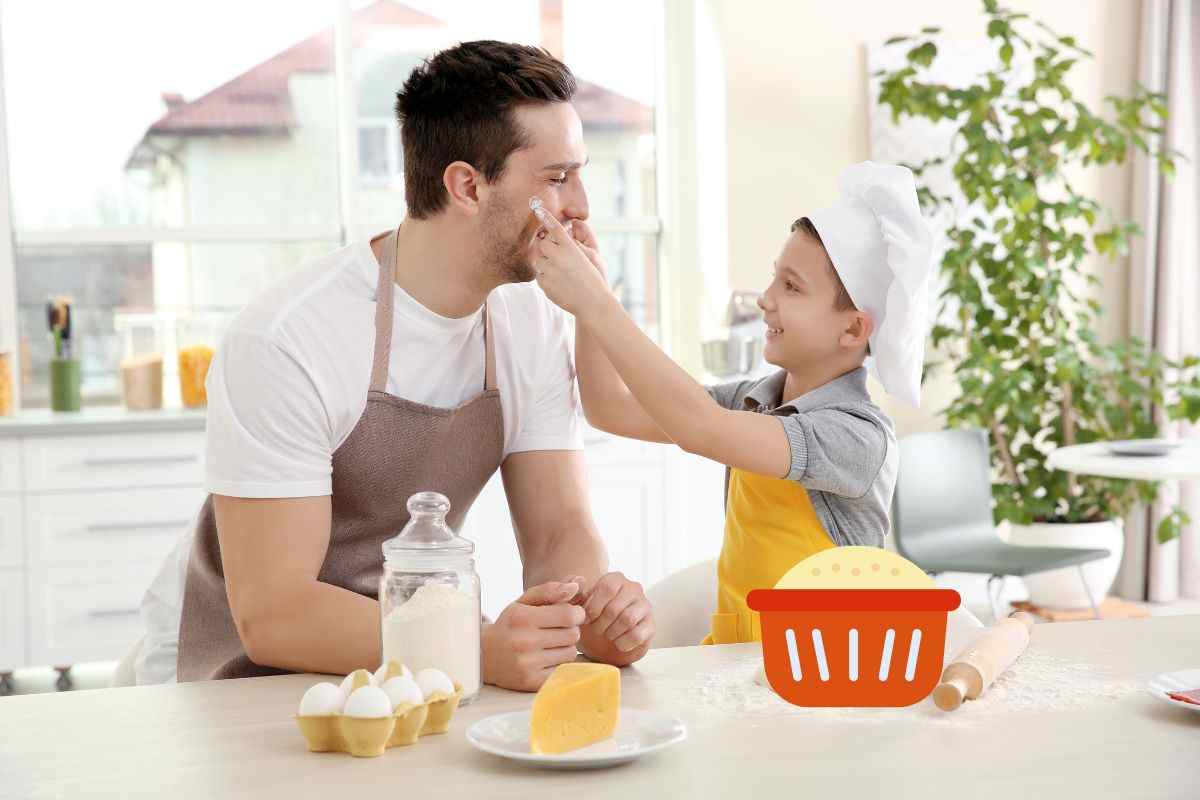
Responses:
[882,250]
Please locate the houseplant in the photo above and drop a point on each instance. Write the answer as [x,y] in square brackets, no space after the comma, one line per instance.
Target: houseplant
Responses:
[1014,326]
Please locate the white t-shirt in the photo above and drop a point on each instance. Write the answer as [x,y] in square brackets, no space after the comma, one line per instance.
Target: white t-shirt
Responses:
[289,382]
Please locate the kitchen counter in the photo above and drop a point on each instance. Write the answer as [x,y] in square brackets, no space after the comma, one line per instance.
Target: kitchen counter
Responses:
[237,739]
[102,419]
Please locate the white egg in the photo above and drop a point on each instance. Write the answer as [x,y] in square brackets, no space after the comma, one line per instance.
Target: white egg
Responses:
[349,680]
[434,681]
[380,677]
[321,700]
[370,702]
[403,691]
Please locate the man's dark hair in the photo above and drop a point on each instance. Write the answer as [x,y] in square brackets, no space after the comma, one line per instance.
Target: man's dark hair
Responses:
[458,106]
[843,301]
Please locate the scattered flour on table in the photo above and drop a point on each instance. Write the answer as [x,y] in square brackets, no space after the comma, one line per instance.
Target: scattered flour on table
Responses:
[1036,682]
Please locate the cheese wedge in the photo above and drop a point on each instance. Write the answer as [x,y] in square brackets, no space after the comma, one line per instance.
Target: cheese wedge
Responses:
[576,706]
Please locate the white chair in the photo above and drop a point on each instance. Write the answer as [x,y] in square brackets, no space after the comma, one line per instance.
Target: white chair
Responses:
[684,603]
[125,673]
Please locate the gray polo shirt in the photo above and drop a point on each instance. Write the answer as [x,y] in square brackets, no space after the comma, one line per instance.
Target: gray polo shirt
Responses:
[843,450]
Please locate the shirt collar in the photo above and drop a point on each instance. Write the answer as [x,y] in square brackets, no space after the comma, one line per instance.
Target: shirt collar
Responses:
[767,394]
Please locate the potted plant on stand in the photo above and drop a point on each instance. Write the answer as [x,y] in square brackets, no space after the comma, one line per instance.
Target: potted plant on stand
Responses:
[1015,322]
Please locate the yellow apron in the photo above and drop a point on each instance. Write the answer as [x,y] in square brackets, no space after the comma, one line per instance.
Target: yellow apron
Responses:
[770,524]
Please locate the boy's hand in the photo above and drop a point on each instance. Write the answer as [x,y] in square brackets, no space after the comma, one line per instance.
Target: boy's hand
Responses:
[583,236]
[565,272]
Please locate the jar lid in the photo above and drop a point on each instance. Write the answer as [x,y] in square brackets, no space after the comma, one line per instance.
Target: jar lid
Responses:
[427,534]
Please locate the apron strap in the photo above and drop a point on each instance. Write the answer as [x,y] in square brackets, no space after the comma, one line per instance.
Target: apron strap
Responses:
[489,350]
[384,294]
[383,317]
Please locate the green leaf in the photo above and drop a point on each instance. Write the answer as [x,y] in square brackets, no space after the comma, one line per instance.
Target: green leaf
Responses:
[923,55]
[1026,200]
[896,40]
[931,29]
[1006,53]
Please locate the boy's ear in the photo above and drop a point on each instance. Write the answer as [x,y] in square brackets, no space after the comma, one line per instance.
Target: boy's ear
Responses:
[858,332]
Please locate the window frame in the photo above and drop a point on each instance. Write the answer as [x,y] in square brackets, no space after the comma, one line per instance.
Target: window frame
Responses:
[349,178]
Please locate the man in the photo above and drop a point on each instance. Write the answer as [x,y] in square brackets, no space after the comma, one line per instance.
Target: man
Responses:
[421,360]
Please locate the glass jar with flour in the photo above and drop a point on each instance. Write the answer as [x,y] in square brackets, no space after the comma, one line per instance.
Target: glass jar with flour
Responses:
[429,596]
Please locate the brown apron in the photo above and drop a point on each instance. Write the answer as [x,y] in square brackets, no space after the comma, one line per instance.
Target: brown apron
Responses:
[398,448]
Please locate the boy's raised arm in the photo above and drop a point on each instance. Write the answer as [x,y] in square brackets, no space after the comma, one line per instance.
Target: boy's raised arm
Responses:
[680,406]
[607,401]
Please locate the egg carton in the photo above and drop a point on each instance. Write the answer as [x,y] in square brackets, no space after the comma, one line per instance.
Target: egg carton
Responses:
[367,737]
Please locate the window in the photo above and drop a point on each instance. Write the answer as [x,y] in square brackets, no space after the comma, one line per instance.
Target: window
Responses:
[177,178]
[380,156]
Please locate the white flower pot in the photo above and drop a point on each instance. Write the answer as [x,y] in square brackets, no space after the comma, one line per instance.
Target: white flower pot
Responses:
[1061,588]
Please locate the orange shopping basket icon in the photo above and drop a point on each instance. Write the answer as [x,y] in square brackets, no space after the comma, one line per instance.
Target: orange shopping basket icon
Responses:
[853,647]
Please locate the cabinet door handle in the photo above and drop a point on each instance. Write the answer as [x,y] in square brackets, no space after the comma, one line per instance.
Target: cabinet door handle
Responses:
[109,527]
[134,460]
[113,612]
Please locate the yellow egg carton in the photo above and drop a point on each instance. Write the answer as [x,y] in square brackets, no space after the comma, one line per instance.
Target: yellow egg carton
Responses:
[366,737]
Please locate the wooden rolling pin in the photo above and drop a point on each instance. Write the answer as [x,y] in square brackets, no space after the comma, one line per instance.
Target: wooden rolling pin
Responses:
[973,670]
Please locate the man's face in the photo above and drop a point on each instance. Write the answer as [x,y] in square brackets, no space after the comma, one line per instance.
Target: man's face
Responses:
[548,168]
[799,306]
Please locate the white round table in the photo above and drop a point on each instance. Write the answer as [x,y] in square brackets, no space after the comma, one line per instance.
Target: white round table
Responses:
[1181,464]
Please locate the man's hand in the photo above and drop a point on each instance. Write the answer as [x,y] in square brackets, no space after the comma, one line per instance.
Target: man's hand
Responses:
[619,622]
[532,636]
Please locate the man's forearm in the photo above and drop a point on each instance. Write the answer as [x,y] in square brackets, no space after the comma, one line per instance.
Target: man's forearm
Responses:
[565,556]
[316,628]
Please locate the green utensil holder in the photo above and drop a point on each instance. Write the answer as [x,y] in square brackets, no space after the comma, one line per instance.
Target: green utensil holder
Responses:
[64,384]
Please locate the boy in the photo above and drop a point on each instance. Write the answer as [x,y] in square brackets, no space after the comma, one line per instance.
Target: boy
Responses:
[812,461]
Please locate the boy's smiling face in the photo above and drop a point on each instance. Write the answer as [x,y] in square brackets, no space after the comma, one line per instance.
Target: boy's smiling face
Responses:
[800,308]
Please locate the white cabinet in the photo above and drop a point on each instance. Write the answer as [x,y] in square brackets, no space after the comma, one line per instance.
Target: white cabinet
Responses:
[113,462]
[12,534]
[497,561]
[10,465]
[12,619]
[87,515]
[86,613]
[627,481]
[98,527]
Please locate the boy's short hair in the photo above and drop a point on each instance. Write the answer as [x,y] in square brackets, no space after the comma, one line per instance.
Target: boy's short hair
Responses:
[843,301]
[458,106]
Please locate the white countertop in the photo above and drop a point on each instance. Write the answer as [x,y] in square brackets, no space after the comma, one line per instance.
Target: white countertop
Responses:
[102,419]
[1095,459]
[237,739]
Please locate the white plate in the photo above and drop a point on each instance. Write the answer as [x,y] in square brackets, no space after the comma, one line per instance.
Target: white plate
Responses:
[1142,447]
[638,733]
[1182,681]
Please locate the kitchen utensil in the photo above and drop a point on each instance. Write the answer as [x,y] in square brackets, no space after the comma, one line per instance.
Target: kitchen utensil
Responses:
[1181,681]
[743,307]
[972,671]
[639,733]
[731,356]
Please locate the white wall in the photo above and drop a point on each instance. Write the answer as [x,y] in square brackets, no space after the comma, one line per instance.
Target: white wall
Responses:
[796,95]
